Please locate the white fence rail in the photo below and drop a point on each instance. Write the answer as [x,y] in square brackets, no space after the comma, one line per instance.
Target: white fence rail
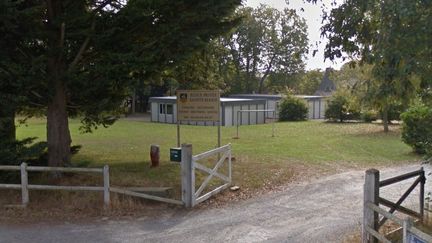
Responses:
[145,196]
[192,196]
[25,186]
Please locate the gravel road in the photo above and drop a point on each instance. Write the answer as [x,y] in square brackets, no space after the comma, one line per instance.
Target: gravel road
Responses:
[322,210]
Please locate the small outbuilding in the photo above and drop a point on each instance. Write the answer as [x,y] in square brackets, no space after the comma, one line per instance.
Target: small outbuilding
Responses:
[164,110]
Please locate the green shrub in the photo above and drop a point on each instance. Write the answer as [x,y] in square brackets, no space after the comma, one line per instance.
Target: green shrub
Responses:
[16,152]
[417,128]
[292,109]
[394,112]
[340,109]
[368,116]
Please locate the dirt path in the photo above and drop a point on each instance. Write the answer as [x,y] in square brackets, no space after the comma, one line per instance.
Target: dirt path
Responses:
[323,210]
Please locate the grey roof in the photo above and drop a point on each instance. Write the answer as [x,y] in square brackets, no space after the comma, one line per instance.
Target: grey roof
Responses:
[173,99]
[273,97]
[259,96]
[307,97]
[326,87]
[238,99]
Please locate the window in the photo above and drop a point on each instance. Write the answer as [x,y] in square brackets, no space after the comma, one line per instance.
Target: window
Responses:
[161,108]
[169,109]
[166,109]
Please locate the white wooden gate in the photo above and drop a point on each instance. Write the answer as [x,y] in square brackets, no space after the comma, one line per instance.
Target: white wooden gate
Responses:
[192,196]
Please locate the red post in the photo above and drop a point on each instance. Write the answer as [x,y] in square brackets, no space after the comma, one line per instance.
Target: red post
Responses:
[154,155]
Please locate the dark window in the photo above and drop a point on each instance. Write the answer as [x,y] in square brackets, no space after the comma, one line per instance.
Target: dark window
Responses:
[161,108]
[169,109]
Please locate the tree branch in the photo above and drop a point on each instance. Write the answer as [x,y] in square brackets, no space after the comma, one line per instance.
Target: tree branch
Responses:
[62,35]
[81,50]
[103,5]
[266,74]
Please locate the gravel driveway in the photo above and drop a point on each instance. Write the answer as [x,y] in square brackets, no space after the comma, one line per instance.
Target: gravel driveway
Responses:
[323,210]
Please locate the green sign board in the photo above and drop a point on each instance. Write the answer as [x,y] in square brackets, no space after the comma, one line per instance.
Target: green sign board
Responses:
[175,154]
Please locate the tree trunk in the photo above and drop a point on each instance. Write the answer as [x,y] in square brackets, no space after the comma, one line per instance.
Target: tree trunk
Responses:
[267,72]
[385,118]
[261,83]
[7,124]
[58,134]
[7,133]
[248,76]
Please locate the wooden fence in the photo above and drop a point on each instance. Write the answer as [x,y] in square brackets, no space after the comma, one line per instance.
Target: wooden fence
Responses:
[371,209]
[192,196]
[189,163]
[25,186]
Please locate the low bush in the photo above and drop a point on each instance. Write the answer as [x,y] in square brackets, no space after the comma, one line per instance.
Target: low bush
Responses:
[368,116]
[292,109]
[340,109]
[417,128]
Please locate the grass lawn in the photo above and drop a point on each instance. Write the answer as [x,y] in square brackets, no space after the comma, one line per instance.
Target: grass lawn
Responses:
[300,150]
[125,147]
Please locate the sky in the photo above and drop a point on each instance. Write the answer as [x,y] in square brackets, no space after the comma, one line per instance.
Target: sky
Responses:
[312,14]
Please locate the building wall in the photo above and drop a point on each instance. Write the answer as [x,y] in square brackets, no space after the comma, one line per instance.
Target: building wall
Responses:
[228,116]
[154,112]
[316,108]
[272,105]
[162,114]
[261,116]
[316,105]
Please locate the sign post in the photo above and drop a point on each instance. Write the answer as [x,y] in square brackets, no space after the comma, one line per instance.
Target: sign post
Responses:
[198,106]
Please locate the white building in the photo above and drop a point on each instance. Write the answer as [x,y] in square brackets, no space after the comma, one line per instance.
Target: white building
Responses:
[316,104]
[164,110]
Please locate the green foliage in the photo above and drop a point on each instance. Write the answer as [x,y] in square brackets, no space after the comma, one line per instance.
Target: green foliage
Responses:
[292,109]
[205,69]
[368,116]
[393,36]
[84,58]
[17,152]
[341,107]
[268,42]
[310,82]
[281,82]
[14,153]
[417,129]
[394,111]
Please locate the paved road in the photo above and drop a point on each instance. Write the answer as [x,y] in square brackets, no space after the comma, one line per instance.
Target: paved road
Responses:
[319,211]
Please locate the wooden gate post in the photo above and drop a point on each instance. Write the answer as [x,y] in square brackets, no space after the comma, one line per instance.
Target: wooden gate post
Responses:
[106,182]
[422,193]
[371,194]
[24,185]
[187,175]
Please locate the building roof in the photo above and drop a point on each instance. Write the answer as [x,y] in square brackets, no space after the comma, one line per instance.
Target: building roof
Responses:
[255,96]
[173,99]
[273,97]
[326,87]
[239,98]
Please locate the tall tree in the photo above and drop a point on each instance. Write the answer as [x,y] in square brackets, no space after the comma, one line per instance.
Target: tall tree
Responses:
[205,69]
[392,35]
[13,89]
[82,55]
[268,41]
[309,82]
